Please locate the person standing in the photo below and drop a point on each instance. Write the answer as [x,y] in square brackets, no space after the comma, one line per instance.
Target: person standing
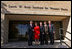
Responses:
[51,32]
[46,33]
[30,33]
[41,34]
[36,33]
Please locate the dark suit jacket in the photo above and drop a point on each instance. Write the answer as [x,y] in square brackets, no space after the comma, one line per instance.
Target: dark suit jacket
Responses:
[51,29]
[41,33]
[46,30]
[30,30]
[41,29]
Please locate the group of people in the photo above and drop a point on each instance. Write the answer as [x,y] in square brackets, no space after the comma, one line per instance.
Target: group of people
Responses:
[41,33]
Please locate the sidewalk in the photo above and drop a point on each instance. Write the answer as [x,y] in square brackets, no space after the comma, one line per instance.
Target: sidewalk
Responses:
[25,45]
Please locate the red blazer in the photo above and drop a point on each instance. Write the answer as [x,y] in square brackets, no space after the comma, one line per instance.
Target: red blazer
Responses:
[36,32]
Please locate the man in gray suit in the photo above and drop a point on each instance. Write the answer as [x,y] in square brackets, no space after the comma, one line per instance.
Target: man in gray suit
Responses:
[45,33]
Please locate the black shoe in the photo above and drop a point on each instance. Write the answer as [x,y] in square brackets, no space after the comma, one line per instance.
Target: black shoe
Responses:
[46,43]
[51,43]
[41,44]
[29,45]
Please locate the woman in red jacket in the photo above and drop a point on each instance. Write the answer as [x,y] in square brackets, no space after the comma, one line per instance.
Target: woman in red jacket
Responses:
[36,33]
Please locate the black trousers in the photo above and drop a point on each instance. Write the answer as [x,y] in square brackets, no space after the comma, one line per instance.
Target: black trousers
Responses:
[29,40]
[46,38]
[51,36]
[41,39]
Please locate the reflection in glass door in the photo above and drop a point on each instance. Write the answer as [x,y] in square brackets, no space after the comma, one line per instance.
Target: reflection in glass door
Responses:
[18,31]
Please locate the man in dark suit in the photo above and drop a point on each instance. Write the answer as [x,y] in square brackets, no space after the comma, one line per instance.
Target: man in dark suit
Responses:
[30,33]
[51,32]
[41,34]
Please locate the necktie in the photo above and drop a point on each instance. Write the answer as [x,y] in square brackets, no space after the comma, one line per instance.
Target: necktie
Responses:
[31,25]
[50,27]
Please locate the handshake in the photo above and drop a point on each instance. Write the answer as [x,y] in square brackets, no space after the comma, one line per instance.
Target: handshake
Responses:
[32,29]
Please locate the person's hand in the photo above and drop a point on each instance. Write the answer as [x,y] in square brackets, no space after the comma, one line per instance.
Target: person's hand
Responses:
[38,34]
[32,29]
[43,33]
[54,32]
[47,33]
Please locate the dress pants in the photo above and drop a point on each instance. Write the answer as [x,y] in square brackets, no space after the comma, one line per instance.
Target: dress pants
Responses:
[41,39]
[30,40]
[51,36]
[46,38]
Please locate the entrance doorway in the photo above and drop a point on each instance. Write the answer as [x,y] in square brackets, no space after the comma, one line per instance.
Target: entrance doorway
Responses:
[18,30]
[22,20]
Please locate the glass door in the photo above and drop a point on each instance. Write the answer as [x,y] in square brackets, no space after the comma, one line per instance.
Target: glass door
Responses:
[18,31]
